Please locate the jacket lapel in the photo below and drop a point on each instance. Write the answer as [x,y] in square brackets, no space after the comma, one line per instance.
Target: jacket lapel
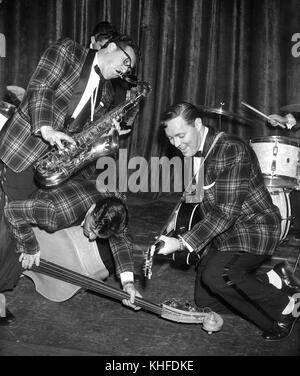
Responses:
[81,85]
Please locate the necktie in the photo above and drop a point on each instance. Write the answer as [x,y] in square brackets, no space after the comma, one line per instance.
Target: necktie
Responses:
[76,125]
[97,70]
[198,154]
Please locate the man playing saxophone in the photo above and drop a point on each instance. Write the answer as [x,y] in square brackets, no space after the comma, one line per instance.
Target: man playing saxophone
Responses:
[65,91]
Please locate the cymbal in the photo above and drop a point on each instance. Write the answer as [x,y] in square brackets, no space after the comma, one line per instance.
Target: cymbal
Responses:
[291,107]
[231,115]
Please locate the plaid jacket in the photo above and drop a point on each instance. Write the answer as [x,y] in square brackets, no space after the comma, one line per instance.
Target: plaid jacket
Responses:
[239,214]
[46,102]
[60,208]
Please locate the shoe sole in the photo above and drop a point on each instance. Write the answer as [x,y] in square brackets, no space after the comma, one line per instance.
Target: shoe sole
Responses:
[279,339]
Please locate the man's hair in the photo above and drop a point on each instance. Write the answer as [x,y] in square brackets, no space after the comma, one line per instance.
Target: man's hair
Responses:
[111,216]
[124,40]
[104,30]
[186,110]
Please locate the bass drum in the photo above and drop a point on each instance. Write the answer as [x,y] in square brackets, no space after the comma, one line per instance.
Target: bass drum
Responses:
[279,160]
[281,198]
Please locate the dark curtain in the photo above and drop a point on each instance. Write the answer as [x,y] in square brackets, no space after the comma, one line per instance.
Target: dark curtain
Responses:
[204,51]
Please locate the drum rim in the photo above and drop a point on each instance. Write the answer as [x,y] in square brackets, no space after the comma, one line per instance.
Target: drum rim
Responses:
[287,183]
[285,222]
[282,139]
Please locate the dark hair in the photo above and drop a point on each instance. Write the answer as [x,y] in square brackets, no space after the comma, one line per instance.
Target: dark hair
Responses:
[104,30]
[124,40]
[111,216]
[186,110]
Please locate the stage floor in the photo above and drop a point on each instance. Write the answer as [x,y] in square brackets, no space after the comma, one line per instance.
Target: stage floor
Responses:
[93,325]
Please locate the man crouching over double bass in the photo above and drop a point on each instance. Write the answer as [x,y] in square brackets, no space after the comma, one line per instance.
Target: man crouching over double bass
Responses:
[103,218]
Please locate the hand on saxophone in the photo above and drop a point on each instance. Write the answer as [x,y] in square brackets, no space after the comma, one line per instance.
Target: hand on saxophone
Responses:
[121,131]
[55,137]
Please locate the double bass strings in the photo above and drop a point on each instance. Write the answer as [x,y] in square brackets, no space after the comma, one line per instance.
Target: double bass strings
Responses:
[167,312]
[70,276]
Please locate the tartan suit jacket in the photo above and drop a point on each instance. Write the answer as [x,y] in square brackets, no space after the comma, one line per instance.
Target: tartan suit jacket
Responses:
[46,102]
[239,214]
[59,208]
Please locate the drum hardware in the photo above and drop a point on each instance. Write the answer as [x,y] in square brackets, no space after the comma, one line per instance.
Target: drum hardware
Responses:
[7,109]
[281,198]
[262,114]
[296,263]
[291,108]
[273,166]
[6,112]
[224,113]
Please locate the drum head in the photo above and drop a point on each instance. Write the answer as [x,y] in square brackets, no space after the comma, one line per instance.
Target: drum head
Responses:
[279,139]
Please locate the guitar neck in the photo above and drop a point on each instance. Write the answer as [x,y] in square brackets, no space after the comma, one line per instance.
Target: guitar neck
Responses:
[70,276]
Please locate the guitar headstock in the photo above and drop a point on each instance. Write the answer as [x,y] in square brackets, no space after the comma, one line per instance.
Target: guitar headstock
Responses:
[147,268]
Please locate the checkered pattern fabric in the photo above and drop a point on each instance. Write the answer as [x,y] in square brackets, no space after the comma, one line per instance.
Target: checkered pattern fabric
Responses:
[45,103]
[239,214]
[60,208]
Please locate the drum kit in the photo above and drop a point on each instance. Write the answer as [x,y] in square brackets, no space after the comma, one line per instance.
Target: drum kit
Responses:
[6,111]
[279,159]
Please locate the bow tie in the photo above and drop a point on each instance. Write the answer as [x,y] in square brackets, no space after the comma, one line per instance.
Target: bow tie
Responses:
[198,154]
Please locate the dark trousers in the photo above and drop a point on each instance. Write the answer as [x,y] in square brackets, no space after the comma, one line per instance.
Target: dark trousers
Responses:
[228,277]
[13,187]
[10,267]
[17,186]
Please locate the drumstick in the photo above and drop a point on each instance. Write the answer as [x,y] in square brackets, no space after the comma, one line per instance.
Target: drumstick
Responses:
[262,114]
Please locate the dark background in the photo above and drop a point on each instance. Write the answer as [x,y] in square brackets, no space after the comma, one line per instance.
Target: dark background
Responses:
[202,51]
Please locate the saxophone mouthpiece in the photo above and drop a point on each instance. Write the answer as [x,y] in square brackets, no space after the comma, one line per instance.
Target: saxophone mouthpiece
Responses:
[131,79]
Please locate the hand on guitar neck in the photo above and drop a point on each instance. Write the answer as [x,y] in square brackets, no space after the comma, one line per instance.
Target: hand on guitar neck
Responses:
[167,243]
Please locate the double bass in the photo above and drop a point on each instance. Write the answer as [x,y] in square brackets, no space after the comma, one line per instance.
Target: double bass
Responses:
[61,274]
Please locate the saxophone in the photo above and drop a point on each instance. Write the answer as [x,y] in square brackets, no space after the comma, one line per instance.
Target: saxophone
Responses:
[99,138]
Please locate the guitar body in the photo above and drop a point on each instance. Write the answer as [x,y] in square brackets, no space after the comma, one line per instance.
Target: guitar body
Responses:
[182,220]
[68,248]
[186,218]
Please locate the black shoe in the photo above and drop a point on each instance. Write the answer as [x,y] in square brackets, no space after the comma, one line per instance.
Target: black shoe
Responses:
[281,329]
[290,283]
[8,319]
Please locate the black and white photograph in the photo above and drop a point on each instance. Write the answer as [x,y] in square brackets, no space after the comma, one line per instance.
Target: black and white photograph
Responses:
[149,181]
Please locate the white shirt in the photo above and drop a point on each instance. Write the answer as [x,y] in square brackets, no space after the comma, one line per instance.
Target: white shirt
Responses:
[197,160]
[90,91]
[196,165]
